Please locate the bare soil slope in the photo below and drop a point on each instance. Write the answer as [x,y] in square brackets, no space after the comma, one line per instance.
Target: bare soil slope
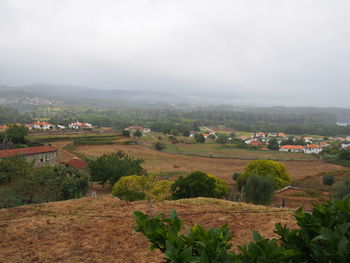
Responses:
[100,230]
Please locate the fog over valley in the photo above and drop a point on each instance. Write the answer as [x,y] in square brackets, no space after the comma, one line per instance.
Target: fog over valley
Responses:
[257,53]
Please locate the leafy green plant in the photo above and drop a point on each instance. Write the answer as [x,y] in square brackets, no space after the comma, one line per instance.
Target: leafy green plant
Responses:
[323,237]
[196,245]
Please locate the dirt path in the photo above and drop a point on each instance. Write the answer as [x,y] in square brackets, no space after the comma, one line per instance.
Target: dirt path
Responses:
[63,155]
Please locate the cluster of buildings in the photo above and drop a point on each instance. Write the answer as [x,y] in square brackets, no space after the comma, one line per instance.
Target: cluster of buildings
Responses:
[45,126]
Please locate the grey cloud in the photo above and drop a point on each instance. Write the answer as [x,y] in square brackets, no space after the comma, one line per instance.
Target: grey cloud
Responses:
[263,52]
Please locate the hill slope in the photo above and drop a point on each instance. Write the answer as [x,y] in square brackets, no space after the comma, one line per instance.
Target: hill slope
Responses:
[100,230]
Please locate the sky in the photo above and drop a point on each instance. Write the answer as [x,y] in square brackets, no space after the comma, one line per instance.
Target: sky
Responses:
[263,52]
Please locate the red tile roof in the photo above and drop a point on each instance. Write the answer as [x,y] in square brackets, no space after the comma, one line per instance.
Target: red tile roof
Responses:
[41,123]
[313,146]
[79,164]
[26,151]
[294,147]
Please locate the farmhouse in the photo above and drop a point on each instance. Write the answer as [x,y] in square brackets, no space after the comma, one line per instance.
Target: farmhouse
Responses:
[41,126]
[313,148]
[78,164]
[292,148]
[79,125]
[43,155]
[260,135]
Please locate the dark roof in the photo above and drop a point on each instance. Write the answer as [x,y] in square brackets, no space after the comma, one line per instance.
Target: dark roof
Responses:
[79,164]
[26,151]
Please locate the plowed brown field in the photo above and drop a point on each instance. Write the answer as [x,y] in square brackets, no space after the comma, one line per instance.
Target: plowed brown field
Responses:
[100,230]
[223,168]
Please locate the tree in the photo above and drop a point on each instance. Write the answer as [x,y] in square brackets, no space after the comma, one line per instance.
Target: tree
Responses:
[14,167]
[273,144]
[259,190]
[222,139]
[289,141]
[159,146]
[17,134]
[194,185]
[138,133]
[300,141]
[199,137]
[186,133]
[112,166]
[221,187]
[276,170]
[328,179]
[126,133]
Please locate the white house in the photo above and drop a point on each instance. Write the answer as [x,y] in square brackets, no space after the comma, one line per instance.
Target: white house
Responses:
[79,125]
[292,148]
[345,145]
[61,127]
[42,125]
[313,148]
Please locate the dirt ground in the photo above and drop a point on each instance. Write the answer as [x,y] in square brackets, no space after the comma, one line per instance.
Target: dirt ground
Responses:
[221,167]
[100,230]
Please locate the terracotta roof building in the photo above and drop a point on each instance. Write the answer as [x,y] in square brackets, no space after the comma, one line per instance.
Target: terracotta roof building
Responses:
[43,155]
[77,163]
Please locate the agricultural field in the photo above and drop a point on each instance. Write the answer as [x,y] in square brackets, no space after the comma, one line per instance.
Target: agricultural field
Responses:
[100,230]
[185,145]
[222,167]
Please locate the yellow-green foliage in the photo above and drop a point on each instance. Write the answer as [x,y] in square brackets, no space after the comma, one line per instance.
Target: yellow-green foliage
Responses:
[134,187]
[130,188]
[221,187]
[274,169]
[161,190]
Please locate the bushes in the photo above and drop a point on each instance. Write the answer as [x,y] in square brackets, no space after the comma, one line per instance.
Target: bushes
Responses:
[132,188]
[111,167]
[197,245]
[328,179]
[259,189]
[342,190]
[159,146]
[323,236]
[265,168]
[194,185]
[221,187]
[46,184]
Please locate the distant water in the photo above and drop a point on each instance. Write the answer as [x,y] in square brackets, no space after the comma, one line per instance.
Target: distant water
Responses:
[343,123]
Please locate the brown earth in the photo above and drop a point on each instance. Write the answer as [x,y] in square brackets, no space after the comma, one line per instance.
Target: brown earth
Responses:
[100,230]
[221,167]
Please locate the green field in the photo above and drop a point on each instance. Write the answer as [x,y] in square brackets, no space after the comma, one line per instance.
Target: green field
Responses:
[210,148]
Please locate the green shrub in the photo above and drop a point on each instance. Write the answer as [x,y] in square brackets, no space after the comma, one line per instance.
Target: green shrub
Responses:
[194,185]
[259,189]
[328,179]
[130,188]
[135,187]
[221,187]
[159,146]
[274,169]
[323,236]
[342,190]
[197,245]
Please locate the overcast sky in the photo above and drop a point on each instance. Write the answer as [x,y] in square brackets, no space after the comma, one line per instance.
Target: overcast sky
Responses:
[282,52]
